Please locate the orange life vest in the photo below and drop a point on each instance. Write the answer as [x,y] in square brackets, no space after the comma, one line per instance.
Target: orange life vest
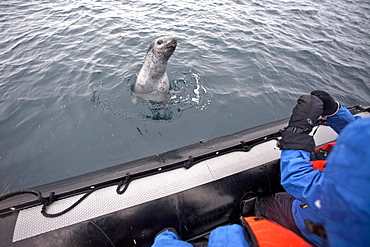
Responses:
[264,233]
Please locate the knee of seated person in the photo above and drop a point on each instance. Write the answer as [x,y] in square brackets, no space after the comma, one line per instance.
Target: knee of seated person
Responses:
[230,235]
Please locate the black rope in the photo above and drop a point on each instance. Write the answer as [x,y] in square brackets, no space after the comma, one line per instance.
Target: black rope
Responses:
[42,200]
[125,183]
[119,191]
[52,199]
[33,192]
[358,108]
[47,201]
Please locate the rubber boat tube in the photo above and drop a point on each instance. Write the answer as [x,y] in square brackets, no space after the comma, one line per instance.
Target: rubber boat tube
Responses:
[193,189]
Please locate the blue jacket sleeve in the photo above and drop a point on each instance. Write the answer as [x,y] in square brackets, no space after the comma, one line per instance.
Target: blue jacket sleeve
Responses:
[343,117]
[298,177]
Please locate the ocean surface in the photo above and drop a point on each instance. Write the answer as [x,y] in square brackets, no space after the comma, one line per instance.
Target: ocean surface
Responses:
[67,69]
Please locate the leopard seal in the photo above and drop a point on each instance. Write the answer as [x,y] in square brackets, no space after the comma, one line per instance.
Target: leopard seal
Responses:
[152,81]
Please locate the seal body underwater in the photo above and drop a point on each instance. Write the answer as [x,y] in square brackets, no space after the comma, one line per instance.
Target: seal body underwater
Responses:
[152,81]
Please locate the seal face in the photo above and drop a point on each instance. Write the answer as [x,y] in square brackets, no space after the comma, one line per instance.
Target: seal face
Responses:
[152,81]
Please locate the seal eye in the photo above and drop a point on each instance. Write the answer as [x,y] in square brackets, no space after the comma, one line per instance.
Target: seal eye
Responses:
[159,42]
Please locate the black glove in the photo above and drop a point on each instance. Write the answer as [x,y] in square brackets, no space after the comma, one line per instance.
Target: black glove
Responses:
[305,115]
[330,105]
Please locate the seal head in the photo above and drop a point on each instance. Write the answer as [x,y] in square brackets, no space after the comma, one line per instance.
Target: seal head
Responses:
[152,81]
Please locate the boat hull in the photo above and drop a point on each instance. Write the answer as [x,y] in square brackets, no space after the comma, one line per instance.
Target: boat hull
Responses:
[193,189]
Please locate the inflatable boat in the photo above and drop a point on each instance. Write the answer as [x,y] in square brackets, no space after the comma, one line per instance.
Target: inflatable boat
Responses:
[192,189]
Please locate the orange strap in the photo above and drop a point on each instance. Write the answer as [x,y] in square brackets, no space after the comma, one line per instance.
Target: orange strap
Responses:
[265,233]
[318,164]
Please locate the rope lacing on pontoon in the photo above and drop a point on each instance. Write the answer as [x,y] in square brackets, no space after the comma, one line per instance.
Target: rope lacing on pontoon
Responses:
[47,201]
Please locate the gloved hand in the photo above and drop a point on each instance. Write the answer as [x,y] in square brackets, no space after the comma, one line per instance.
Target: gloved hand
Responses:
[305,115]
[330,105]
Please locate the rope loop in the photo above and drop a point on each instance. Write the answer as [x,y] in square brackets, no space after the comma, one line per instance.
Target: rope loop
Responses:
[125,183]
[47,200]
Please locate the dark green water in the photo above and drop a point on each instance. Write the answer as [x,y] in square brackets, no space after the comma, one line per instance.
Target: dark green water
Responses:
[67,69]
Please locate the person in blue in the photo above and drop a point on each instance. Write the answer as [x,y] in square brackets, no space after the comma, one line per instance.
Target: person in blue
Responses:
[336,201]
[297,175]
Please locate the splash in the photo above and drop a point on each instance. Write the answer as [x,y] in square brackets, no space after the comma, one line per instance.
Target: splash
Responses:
[187,91]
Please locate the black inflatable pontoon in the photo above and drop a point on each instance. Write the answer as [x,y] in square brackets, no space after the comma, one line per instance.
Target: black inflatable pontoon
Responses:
[193,189]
